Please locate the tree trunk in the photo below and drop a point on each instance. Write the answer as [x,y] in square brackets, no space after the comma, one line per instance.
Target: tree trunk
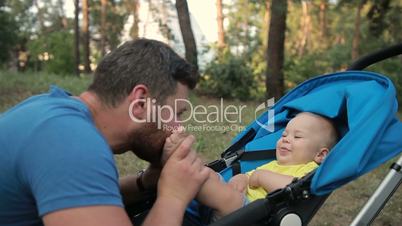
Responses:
[103,26]
[266,22]
[134,28]
[275,51]
[356,35]
[163,11]
[85,34]
[62,16]
[77,37]
[305,27]
[219,19]
[187,34]
[323,19]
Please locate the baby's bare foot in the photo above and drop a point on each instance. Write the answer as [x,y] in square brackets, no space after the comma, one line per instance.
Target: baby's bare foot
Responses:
[173,142]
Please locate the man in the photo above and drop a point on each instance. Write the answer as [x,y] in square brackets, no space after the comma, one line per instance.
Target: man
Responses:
[56,163]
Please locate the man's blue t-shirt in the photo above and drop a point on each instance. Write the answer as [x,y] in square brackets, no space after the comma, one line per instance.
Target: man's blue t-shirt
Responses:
[52,157]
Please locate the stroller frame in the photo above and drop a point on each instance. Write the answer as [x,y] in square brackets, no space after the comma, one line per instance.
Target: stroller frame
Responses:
[394,178]
[279,207]
[381,196]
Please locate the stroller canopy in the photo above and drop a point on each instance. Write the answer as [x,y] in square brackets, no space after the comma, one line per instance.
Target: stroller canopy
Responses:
[362,105]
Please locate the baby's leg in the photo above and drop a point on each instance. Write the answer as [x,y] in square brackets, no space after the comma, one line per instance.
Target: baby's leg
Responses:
[220,196]
[239,182]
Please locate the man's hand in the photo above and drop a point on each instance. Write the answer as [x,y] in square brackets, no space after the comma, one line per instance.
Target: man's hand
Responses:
[152,173]
[181,179]
[239,182]
[183,174]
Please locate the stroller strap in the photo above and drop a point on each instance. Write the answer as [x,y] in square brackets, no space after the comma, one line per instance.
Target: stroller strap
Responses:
[233,159]
[251,156]
[232,153]
[250,134]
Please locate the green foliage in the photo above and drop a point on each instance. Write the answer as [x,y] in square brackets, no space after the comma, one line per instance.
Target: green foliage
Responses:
[238,70]
[334,52]
[53,53]
[245,37]
[237,73]
[299,69]
[24,18]
[244,30]
[228,76]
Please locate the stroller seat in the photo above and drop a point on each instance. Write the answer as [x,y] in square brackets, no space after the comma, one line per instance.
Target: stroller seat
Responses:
[363,107]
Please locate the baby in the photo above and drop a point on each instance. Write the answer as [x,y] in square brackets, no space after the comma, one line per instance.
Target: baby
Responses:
[304,144]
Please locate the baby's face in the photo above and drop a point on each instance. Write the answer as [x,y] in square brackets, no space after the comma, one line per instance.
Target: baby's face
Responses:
[300,142]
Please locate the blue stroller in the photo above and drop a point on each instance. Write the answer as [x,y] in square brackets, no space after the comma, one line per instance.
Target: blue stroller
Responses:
[363,106]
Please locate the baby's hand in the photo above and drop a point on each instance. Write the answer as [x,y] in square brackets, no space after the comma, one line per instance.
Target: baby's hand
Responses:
[253,181]
[239,182]
[172,143]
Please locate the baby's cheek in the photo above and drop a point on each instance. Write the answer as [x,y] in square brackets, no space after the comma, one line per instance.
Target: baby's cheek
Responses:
[278,142]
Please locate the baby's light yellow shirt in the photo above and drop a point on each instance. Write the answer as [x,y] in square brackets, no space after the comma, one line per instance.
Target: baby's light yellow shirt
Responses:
[291,170]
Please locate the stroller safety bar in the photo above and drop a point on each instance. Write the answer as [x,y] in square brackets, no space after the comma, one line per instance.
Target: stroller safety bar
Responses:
[232,153]
[259,209]
[375,57]
[381,196]
[265,211]
[225,161]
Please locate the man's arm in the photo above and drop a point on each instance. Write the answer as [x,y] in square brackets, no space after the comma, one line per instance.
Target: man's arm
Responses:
[269,180]
[88,216]
[181,179]
[165,212]
[128,184]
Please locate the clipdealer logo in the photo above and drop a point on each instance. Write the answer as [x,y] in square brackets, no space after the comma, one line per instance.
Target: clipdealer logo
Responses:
[267,122]
[206,116]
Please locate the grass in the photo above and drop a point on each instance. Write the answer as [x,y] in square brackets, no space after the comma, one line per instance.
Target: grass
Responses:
[340,208]
[15,87]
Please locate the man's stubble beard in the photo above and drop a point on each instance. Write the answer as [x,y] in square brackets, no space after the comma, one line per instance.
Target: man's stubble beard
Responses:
[147,142]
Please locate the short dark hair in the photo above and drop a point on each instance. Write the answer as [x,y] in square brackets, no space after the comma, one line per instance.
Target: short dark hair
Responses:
[142,61]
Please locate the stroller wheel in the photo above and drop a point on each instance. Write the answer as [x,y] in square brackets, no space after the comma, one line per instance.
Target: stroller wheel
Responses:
[291,219]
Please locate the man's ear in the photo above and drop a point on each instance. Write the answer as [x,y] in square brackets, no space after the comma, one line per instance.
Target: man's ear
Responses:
[320,156]
[137,99]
